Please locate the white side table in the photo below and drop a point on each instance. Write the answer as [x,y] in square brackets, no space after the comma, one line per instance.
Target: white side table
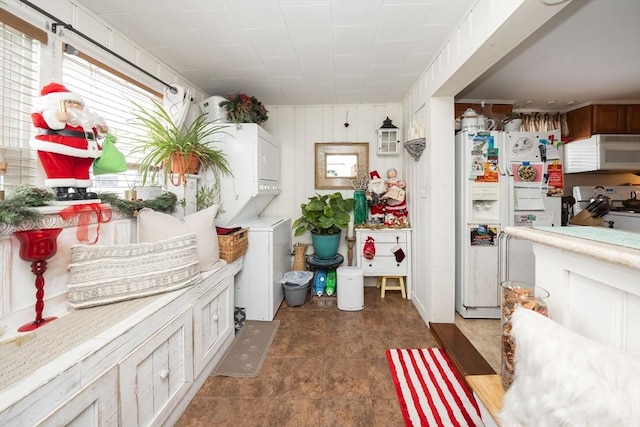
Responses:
[385,263]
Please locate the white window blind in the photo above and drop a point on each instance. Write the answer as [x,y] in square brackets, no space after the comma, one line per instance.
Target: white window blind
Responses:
[110,96]
[19,72]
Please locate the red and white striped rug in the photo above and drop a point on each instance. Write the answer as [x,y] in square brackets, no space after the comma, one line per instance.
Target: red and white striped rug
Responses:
[429,391]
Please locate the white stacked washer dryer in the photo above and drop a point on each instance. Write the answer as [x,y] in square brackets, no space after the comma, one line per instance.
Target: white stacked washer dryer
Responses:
[254,158]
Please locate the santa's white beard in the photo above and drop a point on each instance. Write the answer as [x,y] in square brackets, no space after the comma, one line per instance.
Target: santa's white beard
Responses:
[377,186]
[84,118]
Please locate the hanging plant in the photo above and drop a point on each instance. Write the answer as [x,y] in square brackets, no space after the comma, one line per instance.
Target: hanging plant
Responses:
[242,108]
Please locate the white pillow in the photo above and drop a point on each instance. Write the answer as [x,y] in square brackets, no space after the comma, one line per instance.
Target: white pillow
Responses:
[562,378]
[104,274]
[155,226]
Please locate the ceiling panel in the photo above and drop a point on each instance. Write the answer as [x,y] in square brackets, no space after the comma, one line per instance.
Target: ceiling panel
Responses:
[228,45]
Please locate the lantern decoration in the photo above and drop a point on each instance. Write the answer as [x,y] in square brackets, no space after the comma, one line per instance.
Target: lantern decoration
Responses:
[388,139]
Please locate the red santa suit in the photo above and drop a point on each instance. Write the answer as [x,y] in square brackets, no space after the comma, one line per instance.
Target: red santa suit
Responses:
[375,191]
[66,149]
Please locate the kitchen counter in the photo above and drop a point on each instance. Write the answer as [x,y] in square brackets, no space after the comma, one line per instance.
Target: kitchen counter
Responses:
[592,275]
[605,244]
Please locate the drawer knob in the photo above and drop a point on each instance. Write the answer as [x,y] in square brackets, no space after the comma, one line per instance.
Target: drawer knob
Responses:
[215,318]
[164,374]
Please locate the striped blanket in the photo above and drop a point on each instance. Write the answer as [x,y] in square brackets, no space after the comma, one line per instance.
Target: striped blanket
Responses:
[429,391]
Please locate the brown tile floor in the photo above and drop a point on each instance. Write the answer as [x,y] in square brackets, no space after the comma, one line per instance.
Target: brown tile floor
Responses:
[326,367]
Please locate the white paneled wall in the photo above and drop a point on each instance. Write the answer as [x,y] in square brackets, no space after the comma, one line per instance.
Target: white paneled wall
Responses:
[486,34]
[298,128]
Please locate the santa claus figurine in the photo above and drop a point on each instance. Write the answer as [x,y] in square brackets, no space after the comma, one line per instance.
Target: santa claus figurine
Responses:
[67,141]
[375,191]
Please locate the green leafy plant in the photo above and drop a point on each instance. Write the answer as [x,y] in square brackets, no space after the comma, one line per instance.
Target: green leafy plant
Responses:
[324,214]
[164,139]
[207,196]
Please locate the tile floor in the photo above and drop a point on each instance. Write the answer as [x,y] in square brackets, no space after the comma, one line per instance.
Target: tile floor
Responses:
[327,367]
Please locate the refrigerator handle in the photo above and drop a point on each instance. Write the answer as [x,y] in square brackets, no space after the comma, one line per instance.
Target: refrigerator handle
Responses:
[503,257]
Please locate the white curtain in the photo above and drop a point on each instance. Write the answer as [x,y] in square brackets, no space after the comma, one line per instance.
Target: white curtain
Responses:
[177,104]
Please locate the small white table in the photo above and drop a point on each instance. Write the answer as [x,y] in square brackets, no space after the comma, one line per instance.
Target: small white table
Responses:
[387,241]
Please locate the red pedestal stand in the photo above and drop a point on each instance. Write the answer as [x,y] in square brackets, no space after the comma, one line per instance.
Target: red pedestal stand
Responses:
[37,246]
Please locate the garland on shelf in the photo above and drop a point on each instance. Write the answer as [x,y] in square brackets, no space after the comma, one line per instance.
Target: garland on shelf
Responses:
[18,207]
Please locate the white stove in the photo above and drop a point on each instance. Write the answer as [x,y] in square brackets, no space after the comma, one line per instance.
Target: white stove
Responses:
[620,217]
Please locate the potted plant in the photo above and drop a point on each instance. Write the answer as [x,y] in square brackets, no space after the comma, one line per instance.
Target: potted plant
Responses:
[512,121]
[178,150]
[324,216]
[242,108]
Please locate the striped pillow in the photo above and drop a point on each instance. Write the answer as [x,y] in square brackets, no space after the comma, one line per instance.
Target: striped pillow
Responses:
[106,274]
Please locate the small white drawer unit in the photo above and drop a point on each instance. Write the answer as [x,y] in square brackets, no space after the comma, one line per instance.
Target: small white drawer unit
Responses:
[388,242]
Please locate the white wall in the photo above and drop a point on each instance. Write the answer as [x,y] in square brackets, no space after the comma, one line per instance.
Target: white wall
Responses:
[298,128]
[485,35]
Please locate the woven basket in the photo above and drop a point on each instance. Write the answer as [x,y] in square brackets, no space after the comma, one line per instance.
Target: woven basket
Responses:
[233,245]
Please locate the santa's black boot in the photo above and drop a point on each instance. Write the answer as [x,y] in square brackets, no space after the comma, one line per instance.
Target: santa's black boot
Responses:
[84,194]
[61,193]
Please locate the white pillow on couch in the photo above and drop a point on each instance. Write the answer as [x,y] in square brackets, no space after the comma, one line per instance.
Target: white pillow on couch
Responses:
[104,274]
[155,226]
[562,378]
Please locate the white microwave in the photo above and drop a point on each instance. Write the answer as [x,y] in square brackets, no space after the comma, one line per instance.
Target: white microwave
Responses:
[606,153]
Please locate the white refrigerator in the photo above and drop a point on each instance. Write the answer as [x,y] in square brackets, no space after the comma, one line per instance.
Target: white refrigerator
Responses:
[502,179]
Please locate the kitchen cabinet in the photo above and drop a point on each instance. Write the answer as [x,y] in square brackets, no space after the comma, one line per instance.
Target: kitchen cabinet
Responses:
[633,118]
[158,374]
[388,242]
[137,362]
[603,119]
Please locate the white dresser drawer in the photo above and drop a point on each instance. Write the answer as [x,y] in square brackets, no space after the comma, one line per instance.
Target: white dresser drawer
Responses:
[384,266]
[384,236]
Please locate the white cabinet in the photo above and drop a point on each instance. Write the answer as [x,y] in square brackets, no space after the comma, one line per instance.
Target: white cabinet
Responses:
[158,374]
[140,369]
[212,324]
[95,405]
[393,253]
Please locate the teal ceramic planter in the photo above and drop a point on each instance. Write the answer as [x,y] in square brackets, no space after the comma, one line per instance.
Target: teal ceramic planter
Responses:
[325,246]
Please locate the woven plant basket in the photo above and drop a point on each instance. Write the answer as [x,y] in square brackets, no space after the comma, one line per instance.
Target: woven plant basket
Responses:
[233,245]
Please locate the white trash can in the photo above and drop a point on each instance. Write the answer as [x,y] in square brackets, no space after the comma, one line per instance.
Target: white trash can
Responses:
[350,288]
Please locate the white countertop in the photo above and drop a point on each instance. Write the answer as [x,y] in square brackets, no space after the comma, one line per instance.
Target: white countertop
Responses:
[596,242]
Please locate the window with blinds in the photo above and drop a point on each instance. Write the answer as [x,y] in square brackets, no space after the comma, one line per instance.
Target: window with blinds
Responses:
[110,95]
[19,72]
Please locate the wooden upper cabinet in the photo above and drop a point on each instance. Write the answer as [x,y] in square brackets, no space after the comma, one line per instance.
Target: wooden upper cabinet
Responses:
[609,119]
[579,123]
[633,118]
[603,118]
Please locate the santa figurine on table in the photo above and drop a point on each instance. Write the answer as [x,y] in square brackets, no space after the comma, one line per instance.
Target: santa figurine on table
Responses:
[396,200]
[67,141]
[375,191]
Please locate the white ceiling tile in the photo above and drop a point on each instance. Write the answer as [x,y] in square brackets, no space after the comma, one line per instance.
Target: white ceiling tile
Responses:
[257,13]
[311,22]
[282,66]
[379,74]
[351,64]
[430,39]
[401,21]
[359,12]
[242,56]
[390,52]
[318,75]
[271,41]
[217,26]
[254,76]
[313,54]
[350,82]
[353,40]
